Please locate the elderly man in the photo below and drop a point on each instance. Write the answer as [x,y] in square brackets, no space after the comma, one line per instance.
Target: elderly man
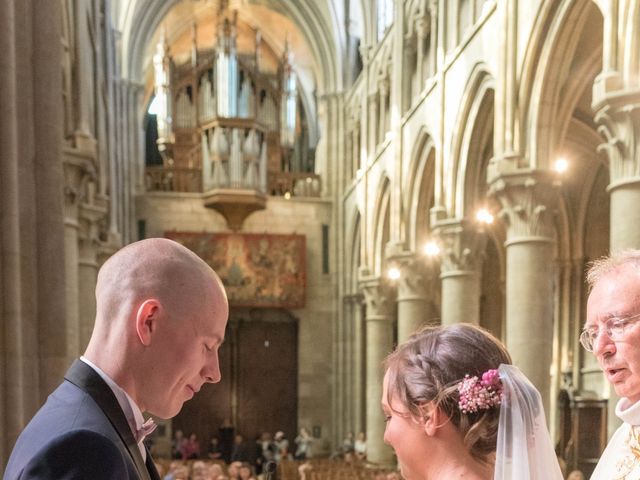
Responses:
[612,333]
[161,316]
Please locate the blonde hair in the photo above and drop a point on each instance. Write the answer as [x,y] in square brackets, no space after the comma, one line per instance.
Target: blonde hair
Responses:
[428,367]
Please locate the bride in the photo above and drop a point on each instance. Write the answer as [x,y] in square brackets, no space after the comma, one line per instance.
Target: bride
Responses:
[455,407]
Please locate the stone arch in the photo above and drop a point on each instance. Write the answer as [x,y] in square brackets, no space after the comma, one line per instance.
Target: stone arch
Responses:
[419,197]
[353,250]
[475,135]
[551,80]
[380,226]
[142,18]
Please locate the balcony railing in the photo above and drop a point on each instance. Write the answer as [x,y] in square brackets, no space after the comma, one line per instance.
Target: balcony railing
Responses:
[296,184]
[168,179]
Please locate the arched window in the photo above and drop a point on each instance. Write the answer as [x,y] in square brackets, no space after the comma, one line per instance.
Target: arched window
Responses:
[385,16]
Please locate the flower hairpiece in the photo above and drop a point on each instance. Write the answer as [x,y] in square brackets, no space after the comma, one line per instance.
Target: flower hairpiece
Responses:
[480,394]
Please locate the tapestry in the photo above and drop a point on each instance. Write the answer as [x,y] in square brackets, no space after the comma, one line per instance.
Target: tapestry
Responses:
[258,270]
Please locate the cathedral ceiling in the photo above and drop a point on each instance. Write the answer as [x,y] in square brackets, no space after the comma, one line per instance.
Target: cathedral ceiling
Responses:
[312,27]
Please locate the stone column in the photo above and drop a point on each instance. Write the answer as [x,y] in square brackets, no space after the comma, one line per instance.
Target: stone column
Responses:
[379,335]
[74,172]
[383,114]
[91,214]
[527,198]
[618,121]
[422,30]
[354,373]
[32,315]
[414,306]
[462,247]
[616,101]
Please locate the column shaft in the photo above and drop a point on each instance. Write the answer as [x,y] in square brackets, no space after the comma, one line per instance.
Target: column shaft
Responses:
[379,336]
[460,297]
[530,310]
[625,216]
[379,344]
[412,314]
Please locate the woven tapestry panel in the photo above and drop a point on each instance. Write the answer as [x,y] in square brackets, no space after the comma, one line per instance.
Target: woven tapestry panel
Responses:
[258,270]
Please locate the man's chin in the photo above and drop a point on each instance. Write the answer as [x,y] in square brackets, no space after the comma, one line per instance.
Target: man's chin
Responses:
[164,413]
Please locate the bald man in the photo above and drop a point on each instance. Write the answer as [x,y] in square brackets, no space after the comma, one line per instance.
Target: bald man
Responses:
[160,319]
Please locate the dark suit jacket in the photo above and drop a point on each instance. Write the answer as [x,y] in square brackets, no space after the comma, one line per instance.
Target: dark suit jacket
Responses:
[80,433]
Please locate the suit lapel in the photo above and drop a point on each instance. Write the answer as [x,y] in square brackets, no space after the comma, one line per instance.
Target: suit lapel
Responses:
[87,379]
[151,467]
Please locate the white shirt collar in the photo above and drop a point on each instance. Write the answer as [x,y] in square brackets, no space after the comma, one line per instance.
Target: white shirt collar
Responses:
[131,410]
[628,412]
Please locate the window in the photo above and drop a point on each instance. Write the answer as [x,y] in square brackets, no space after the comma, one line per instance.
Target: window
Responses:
[385,16]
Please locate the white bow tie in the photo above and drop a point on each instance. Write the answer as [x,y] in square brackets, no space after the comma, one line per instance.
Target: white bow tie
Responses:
[146,429]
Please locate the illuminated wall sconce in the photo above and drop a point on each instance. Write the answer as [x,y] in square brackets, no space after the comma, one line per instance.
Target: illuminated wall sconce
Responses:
[431,249]
[483,216]
[393,273]
[287,195]
[561,165]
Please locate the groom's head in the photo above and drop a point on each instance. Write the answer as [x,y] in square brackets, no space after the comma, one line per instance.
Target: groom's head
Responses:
[161,317]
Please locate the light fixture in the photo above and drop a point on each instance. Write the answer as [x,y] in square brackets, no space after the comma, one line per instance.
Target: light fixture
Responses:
[287,195]
[483,216]
[431,249]
[561,165]
[393,273]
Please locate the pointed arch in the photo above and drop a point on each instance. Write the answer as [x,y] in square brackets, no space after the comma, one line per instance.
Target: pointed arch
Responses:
[552,84]
[380,225]
[419,197]
[472,146]
[354,251]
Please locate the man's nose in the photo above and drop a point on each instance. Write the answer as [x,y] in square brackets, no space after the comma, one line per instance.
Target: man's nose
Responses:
[603,344]
[212,370]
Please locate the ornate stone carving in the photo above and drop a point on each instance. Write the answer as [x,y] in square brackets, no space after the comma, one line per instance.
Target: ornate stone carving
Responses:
[528,199]
[417,274]
[378,297]
[462,245]
[619,123]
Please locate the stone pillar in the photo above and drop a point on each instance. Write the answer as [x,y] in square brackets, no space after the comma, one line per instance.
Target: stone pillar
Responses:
[414,306]
[32,315]
[379,336]
[383,114]
[527,198]
[422,30]
[619,121]
[616,101]
[91,214]
[73,172]
[354,373]
[462,247]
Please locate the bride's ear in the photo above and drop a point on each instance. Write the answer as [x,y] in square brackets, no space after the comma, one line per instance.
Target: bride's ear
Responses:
[434,418]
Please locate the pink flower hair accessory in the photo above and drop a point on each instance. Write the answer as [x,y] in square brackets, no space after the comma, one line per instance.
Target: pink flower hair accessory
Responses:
[480,394]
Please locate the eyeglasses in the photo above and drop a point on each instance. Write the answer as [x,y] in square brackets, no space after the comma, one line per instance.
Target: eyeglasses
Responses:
[614,328]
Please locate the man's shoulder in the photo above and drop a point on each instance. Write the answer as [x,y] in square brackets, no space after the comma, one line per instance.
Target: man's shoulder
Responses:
[68,418]
[74,454]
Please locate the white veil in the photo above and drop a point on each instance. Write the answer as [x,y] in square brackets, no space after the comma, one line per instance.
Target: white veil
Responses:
[524,450]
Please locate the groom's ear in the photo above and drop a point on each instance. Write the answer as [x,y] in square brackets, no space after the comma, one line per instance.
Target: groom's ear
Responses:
[146,320]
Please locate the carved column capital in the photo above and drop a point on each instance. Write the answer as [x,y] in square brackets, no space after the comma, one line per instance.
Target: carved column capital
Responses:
[618,122]
[353,299]
[417,274]
[529,199]
[78,169]
[378,297]
[365,54]
[462,246]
